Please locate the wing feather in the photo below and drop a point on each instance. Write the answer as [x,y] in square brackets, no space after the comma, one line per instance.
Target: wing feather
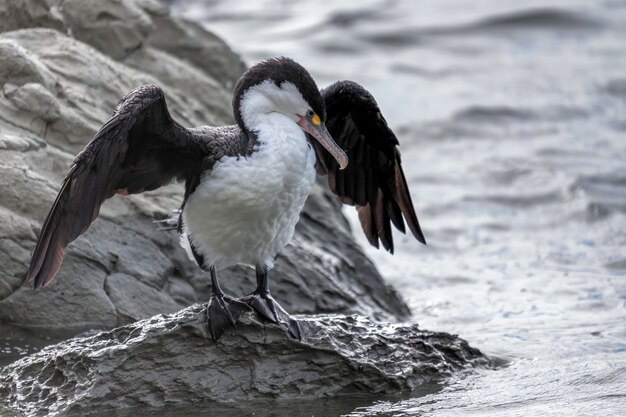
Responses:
[140,148]
[373,181]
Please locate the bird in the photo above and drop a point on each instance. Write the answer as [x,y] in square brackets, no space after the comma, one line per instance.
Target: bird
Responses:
[245,184]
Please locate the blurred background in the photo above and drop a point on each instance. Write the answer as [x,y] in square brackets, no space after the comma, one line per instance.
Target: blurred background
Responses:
[512,122]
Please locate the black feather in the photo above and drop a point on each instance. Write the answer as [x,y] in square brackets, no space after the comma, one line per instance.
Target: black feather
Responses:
[373,179]
[140,148]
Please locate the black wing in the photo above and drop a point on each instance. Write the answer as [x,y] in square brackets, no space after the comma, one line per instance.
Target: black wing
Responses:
[373,179]
[139,149]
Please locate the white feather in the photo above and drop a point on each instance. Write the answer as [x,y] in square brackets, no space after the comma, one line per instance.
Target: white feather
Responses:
[244,211]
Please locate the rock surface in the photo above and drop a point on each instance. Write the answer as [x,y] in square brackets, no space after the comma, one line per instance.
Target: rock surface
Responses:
[60,79]
[169,361]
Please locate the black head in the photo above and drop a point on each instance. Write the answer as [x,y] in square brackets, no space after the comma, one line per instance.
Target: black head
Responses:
[281,85]
[279,70]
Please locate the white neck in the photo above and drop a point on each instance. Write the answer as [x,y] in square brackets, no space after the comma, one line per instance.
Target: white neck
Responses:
[280,135]
[267,97]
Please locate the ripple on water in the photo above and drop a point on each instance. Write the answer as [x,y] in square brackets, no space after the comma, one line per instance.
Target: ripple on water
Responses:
[505,114]
[546,19]
[616,87]
[606,191]
[542,18]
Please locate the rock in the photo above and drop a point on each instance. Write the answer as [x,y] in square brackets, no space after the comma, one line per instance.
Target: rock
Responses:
[169,361]
[34,98]
[56,91]
[18,67]
[189,80]
[81,303]
[116,28]
[134,299]
[29,13]
[188,40]
[120,28]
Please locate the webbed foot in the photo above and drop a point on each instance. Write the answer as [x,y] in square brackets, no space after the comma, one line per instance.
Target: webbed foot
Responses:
[268,308]
[223,312]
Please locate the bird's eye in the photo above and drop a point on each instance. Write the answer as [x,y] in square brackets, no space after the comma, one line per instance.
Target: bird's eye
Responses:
[315,119]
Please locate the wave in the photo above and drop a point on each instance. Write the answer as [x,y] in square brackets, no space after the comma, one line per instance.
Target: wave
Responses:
[548,19]
[607,191]
[616,87]
[495,114]
[502,113]
[521,199]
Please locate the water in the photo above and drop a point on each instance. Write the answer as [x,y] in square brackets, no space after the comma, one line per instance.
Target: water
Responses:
[512,122]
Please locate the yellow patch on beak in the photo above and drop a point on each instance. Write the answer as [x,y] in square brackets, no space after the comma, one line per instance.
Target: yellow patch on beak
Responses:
[316,120]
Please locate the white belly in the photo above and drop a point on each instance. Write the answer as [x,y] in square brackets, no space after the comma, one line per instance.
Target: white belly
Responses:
[245,210]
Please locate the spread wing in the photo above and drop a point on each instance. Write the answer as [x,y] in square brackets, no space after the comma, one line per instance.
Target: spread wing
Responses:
[373,181]
[139,149]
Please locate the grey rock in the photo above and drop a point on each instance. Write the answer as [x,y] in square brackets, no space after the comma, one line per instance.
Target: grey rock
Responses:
[169,361]
[181,291]
[120,28]
[29,13]
[19,67]
[34,98]
[80,303]
[189,80]
[116,28]
[190,41]
[134,299]
[56,91]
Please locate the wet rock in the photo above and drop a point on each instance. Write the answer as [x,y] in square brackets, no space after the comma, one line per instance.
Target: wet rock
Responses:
[169,361]
[55,92]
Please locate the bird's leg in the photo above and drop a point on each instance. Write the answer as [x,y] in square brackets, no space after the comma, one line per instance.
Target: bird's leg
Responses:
[268,308]
[222,311]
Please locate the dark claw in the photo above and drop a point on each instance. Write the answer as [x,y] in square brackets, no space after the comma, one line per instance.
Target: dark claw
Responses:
[265,305]
[223,312]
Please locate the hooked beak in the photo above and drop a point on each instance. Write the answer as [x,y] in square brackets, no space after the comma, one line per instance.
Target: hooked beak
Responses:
[321,134]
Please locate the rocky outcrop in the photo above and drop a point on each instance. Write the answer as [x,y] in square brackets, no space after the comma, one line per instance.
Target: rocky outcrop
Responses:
[63,67]
[170,361]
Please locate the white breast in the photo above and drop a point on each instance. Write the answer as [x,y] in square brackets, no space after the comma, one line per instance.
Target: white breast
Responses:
[245,210]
